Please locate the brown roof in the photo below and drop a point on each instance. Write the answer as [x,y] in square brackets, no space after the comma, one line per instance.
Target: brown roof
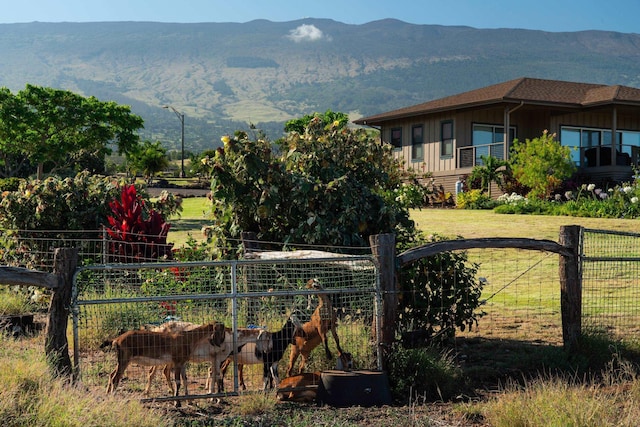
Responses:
[525,89]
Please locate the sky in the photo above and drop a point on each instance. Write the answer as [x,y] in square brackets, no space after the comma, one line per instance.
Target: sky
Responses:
[547,15]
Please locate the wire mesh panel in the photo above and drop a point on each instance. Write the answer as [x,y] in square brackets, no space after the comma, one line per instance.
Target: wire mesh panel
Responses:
[520,295]
[35,249]
[244,295]
[610,283]
[514,294]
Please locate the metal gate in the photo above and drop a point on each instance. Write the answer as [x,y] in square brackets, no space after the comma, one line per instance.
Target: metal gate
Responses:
[110,299]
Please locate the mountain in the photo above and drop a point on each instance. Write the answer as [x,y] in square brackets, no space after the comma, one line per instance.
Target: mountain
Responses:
[223,76]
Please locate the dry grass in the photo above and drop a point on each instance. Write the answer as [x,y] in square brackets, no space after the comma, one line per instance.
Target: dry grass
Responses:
[29,396]
[555,401]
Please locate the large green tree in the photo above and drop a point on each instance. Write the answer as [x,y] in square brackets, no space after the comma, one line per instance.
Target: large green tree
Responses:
[45,126]
[323,186]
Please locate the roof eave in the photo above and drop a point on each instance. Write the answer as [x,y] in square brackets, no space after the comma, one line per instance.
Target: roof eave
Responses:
[373,121]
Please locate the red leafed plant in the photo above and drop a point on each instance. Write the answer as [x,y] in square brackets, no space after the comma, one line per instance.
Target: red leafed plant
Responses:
[137,234]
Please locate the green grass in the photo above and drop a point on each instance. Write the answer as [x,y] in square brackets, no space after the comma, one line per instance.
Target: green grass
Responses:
[482,223]
[195,215]
[444,222]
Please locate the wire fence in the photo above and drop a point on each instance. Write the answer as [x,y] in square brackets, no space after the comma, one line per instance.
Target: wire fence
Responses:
[262,294]
[611,283]
[35,249]
[520,298]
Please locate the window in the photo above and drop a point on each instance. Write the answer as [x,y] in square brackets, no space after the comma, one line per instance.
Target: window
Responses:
[488,140]
[446,139]
[417,141]
[592,146]
[396,138]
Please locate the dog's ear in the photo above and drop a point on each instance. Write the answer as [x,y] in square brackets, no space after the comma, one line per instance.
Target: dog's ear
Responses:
[218,334]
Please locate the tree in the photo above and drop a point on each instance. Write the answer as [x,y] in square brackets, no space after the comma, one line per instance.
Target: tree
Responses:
[327,120]
[325,186]
[491,171]
[46,126]
[335,186]
[541,164]
[150,158]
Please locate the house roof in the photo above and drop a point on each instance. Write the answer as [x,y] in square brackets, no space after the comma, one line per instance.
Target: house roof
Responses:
[523,90]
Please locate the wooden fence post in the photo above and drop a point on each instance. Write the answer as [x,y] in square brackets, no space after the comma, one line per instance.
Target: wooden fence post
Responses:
[56,344]
[570,287]
[383,247]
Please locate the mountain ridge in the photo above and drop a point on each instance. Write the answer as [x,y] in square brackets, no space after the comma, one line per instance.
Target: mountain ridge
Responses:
[223,76]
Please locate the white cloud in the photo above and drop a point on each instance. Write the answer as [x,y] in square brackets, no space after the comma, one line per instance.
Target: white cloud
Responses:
[306,33]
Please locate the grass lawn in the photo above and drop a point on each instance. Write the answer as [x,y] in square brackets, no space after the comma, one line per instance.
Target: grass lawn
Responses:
[482,223]
[195,214]
[444,222]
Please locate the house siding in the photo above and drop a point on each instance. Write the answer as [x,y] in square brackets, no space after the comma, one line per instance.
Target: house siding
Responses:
[533,105]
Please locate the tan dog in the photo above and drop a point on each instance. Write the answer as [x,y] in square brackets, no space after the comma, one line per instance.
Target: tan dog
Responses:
[315,331]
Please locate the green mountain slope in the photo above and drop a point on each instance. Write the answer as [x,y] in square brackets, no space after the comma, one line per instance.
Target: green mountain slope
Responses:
[224,76]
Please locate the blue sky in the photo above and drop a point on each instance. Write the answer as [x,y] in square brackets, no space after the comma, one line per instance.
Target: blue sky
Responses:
[548,15]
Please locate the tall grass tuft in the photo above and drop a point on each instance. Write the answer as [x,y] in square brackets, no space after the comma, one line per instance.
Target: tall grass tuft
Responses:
[427,373]
[19,300]
[569,401]
[30,396]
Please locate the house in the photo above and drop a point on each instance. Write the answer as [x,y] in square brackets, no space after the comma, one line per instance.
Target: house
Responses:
[447,136]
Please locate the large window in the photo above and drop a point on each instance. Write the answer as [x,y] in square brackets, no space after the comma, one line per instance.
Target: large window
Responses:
[446,139]
[417,143]
[592,146]
[488,140]
[396,138]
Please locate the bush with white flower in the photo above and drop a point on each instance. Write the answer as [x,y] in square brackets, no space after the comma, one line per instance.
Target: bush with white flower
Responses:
[512,199]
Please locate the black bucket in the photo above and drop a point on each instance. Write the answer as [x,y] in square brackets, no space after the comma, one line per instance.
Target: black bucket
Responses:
[354,388]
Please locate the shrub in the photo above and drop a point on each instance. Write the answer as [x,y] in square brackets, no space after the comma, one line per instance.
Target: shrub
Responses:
[9,184]
[621,201]
[324,187]
[411,195]
[78,203]
[541,164]
[429,373]
[441,292]
[474,199]
[137,234]
[533,207]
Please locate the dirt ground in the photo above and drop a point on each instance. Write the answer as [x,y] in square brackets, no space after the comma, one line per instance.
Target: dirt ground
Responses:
[223,412]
